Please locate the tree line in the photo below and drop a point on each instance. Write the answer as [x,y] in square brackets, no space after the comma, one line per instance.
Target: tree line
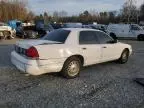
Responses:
[129,13]
[14,9]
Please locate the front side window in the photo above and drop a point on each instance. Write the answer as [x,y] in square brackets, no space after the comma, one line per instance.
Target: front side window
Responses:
[103,37]
[135,27]
[57,35]
[88,37]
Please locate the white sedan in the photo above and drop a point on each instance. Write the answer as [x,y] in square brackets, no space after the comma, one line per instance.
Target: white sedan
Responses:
[67,50]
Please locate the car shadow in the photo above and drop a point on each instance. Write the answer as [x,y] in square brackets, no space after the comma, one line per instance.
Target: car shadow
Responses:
[5,52]
[140,81]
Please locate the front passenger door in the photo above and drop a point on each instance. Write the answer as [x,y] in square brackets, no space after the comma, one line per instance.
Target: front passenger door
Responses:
[110,51]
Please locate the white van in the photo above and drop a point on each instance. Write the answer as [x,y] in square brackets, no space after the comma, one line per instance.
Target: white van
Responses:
[126,31]
[142,27]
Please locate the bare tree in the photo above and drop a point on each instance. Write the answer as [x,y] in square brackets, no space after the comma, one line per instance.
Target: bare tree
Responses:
[129,11]
[46,18]
[62,13]
[142,12]
[30,16]
[13,9]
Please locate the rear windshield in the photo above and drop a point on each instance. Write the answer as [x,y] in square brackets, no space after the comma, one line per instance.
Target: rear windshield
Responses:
[57,35]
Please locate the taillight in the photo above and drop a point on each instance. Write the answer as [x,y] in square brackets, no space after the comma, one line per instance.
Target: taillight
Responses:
[32,52]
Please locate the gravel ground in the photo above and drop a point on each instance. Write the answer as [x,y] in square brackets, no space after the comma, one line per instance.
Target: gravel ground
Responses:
[108,85]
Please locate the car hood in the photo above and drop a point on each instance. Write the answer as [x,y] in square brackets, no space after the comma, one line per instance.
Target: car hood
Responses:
[29,43]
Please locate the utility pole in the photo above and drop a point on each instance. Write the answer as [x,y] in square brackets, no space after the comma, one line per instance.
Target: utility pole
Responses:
[138,13]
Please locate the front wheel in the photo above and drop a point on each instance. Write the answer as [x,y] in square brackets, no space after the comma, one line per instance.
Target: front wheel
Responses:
[6,34]
[12,36]
[71,68]
[124,56]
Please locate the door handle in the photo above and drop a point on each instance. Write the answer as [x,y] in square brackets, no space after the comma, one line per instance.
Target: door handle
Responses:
[84,48]
[104,47]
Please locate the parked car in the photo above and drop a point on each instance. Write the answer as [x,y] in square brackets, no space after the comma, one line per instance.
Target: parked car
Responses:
[20,30]
[72,25]
[46,29]
[142,27]
[126,30]
[40,27]
[32,31]
[67,50]
[23,30]
[14,24]
[98,27]
[86,26]
[56,26]
[6,31]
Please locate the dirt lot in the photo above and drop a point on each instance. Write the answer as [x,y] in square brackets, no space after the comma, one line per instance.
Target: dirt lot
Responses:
[108,85]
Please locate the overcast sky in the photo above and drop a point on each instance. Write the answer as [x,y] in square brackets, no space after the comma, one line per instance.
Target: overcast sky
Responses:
[74,7]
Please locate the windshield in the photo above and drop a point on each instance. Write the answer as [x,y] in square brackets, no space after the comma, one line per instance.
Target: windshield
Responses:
[57,35]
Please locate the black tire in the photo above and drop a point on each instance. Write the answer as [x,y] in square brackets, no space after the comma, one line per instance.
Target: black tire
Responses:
[68,68]
[140,38]
[31,34]
[124,57]
[34,35]
[2,35]
[12,36]
[6,35]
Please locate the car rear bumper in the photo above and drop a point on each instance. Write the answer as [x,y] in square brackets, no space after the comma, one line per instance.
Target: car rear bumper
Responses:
[34,67]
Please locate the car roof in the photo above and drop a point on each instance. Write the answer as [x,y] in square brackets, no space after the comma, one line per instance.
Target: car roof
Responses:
[80,29]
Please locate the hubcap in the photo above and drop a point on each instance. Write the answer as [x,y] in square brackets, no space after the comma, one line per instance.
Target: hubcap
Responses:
[73,68]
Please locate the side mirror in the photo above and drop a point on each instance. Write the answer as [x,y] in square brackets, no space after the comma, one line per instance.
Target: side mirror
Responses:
[115,41]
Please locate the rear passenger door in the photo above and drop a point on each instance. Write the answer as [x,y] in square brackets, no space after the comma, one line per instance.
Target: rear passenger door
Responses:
[89,47]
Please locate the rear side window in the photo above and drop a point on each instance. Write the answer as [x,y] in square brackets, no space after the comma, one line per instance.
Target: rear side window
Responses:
[57,35]
[88,37]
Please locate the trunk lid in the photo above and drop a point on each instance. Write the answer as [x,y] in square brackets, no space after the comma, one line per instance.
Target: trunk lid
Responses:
[29,43]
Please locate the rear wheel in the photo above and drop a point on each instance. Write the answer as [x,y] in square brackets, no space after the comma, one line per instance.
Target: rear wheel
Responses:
[71,68]
[124,56]
[6,34]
